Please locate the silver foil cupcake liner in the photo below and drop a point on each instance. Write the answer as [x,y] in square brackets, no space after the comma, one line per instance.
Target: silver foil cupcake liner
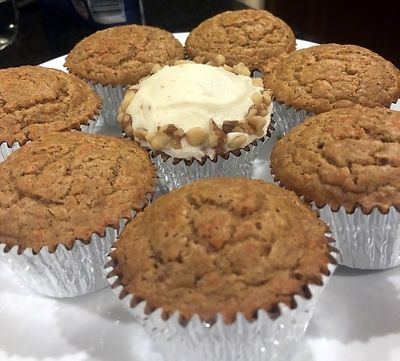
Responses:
[67,272]
[288,117]
[5,150]
[112,99]
[365,241]
[268,337]
[173,174]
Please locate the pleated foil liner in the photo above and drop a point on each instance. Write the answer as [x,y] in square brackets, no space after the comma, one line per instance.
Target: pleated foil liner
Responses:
[112,99]
[5,150]
[365,241]
[288,117]
[173,175]
[266,338]
[67,273]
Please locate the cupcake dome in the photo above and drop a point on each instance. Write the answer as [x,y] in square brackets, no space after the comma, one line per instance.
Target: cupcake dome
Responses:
[222,245]
[248,36]
[345,158]
[67,186]
[329,76]
[35,101]
[123,55]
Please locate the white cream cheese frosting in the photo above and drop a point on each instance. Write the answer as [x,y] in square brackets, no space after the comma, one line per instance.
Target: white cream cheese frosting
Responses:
[190,97]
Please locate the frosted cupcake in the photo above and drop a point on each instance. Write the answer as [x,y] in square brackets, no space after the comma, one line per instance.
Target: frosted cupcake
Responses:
[329,76]
[346,163]
[223,269]
[116,57]
[64,198]
[198,120]
[35,101]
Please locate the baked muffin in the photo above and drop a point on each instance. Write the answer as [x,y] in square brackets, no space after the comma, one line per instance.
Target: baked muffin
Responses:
[35,101]
[346,162]
[198,120]
[63,198]
[252,37]
[116,57]
[218,258]
[330,76]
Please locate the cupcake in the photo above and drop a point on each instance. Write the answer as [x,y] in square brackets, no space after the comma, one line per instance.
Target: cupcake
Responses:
[329,76]
[63,200]
[198,120]
[35,101]
[252,37]
[114,58]
[223,269]
[346,162]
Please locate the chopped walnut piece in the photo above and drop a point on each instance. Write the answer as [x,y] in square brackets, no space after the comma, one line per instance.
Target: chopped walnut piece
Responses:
[258,82]
[140,133]
[257,98]
[159,141]
[216,137]
[196,136]
[229,125]
[128,97]
[237,141]
[241,69]
[257,122]
[267,97]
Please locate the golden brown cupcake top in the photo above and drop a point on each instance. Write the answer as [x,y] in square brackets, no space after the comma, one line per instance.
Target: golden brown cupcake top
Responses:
[67,186]
[346,157]
[123,55]
[331,76]
[223,245]
[35,101]
[249,36]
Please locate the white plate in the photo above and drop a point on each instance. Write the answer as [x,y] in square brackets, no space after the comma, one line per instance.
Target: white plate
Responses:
[357,319]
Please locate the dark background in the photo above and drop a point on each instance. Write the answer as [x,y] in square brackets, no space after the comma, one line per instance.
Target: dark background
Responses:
[45,34]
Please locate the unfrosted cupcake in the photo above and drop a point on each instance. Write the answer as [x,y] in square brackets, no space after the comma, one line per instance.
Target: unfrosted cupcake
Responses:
[329,76]
[116,57]
[63,200]
[223,269]
[347,163]
[198,120]
[35,101]
[252,37]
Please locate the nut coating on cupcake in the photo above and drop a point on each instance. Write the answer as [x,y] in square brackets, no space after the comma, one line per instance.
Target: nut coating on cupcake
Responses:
[35,101]
[67,186]
[248,36]
[223,245]
[347,157]
[123,55]
[328,76]
[193,110]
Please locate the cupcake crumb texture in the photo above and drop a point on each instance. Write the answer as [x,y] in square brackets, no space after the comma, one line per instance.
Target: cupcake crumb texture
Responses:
[222,245]
[329,76]
[35,101]
[249,36]
[67,186]
[346,157]
[122,55]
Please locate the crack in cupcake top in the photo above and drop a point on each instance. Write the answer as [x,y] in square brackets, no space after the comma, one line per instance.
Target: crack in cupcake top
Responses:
[346,157]
[248,36]
[194,111]
[123,55]
[331,76]
[35,101]
[223,245]
[67,186]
